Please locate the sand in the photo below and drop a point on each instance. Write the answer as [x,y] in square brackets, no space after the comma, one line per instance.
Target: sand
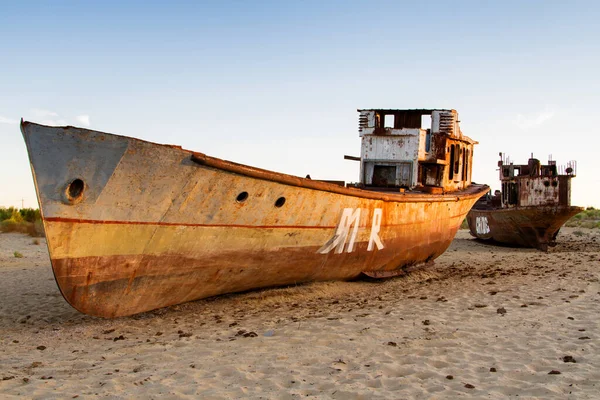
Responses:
[482,322]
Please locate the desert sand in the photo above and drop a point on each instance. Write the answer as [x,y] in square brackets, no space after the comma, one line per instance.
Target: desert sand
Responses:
[481,322]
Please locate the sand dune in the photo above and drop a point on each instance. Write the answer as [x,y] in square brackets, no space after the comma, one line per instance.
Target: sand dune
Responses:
[482,322]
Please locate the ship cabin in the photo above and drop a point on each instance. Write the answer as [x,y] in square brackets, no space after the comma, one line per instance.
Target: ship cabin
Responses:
[534,184]
[415,150]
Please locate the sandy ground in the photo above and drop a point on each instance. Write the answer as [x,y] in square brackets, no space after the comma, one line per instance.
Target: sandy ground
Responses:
[483,322]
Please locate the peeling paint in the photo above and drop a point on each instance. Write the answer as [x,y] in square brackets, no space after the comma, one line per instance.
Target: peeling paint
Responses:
[156,225]
[532,205]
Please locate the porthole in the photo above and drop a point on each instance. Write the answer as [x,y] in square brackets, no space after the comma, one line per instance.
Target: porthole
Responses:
[280,202]
[241,197]
[74,191]
[546,183]
[554,184]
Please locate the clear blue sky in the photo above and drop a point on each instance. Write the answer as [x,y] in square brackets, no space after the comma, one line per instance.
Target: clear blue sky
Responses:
[277,84]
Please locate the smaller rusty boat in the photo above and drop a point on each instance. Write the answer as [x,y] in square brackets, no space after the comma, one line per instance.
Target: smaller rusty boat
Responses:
[531,207]
[133,226]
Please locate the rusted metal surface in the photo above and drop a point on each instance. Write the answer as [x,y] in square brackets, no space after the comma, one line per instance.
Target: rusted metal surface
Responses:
[535,227]
[133,226]
[399,151]
[531,207]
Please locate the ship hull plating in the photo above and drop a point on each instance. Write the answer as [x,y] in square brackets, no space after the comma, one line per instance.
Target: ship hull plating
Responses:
[133,226]
[535,226]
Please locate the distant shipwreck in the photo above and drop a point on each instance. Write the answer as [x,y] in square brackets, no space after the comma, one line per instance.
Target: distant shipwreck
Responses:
[133,226]
[531,207]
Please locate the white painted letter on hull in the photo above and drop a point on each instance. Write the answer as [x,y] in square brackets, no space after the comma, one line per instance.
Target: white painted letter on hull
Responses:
[374,238]
[481,225]
[351,219]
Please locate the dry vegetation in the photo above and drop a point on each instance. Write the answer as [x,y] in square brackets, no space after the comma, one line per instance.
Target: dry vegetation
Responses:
[589,218]
[25,220]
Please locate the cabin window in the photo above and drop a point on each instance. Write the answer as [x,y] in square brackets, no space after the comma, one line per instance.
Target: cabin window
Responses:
[389,121]
[457,159]
[509,193]
[469,165]
[430,174]
[512,195]
[405,174]
[426,122]
[465,158]
[428,141]
[384,175]
[451,169]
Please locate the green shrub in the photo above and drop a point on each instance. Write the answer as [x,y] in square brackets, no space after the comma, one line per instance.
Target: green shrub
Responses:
[16,217]
[26,220]
[588,218]
[30,214]
[5,213]
[17,254]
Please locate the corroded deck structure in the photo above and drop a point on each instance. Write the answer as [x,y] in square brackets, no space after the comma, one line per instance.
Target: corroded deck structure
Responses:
[531,207]
[133,226]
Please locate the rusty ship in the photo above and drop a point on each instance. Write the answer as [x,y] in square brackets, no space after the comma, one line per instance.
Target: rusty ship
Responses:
[533,204]
[133,226]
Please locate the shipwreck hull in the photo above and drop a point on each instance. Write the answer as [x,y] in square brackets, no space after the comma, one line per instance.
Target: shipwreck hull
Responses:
[133,226]
[535,226]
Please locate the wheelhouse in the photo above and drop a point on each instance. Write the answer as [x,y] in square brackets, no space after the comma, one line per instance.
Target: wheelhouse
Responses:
[420,149]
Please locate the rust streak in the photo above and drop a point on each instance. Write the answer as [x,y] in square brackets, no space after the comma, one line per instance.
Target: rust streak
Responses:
[111,222]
